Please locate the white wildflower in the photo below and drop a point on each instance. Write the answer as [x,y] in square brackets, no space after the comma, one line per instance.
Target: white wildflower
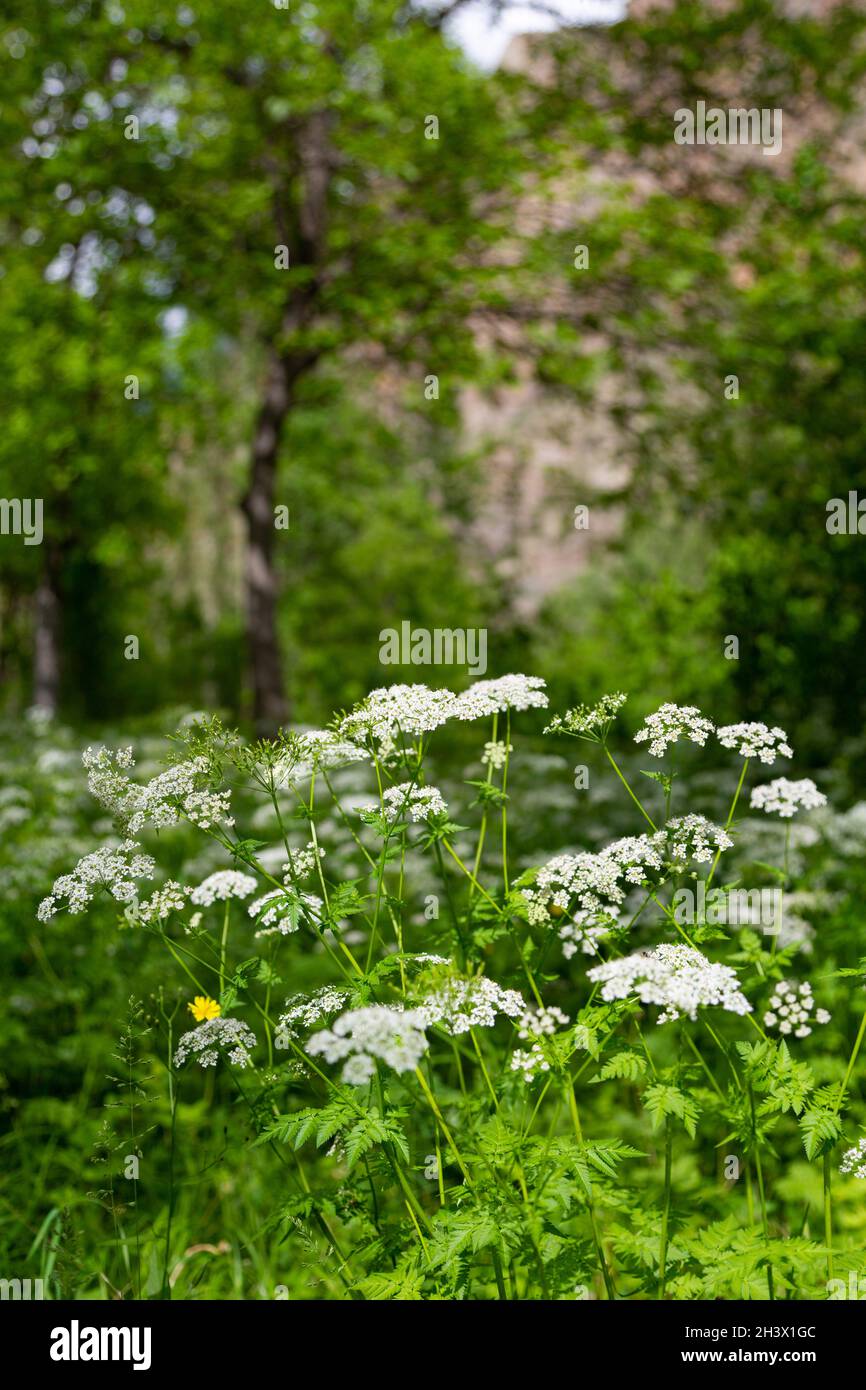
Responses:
[39,718]
[590,888]
[584,931]
[459,1005]
[358,1069]
[162,801]
[795,930]
[784,798]
[791,1009]
[392,1035]
[225,884]
[854,1160]
[495,754]
[752,907]
[530,1062]
[171,897]
[679,978]
[541,1023]
[114,869]
[485,698]
[535,1027]
[637,856]
[302,862]
[418,802]
[756,741]
[695,838]
[303,1010]
[205,1043]
[590,881]
[414,709]
[846,830]
[669,724]
[206,808]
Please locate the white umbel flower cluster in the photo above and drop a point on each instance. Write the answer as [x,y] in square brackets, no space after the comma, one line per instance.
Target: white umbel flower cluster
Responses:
[161,802]
[530,1062]
[420,803]
[791,1009]
[171,897]
[541,1023]
[669,724]
[414,709]
[459,1005]
[637,855]
[592,887]
[391,1035]
[113,869]
[695,838]
[591,880]
[485,698]
[303,1010]
[783,798]
[417,709]
[302,862]
[756,741]
[495,754]
[219,887]
[679,978]
[215,1035]
[854,1160]
[282,910]
[533,1027]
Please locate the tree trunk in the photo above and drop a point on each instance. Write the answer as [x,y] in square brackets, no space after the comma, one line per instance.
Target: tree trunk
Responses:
[270,706]
[46,639]
[305,235]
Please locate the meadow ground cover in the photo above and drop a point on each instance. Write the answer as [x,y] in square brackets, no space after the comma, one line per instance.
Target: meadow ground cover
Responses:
[333,1015]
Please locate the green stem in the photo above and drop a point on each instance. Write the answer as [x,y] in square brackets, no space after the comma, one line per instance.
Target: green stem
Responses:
[483,829]
[777,924]
[851,1061]
[759,1170]
[497,1269]
[505,802]
[712,1080]
[483,891]
[431,1101]
[828,1214]
[608,1281]
[663,1247]
[455,916]
[223,941]
[729,822]
[347,824]
[647,817]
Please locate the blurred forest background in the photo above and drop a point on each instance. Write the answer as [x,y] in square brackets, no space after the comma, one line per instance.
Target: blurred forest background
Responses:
[314,263]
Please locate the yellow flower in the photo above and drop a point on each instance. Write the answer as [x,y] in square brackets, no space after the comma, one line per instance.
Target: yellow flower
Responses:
[202,1007]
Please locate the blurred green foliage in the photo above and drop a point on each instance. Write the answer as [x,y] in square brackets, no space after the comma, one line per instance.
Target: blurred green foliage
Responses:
[154,256]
